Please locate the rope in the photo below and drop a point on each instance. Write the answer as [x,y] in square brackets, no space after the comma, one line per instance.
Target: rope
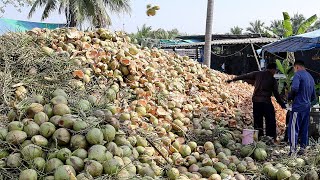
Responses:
[231,54]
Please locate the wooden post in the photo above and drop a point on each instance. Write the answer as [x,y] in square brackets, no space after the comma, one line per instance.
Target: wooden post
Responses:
[256,57]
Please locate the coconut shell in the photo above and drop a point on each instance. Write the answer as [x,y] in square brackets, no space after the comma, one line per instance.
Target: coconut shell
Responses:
[15,125]
[61,109]
[47,129]
[76,162]
[59,92]
[94,136]
[16,137]
[34,108]
[39,140]
[94,168]
[52,165]
[28,174]
[59,100]
[97,153]
[64,172]
[61,136]
[14,160]
[38,163]
[40,118]
[63,154]
[31,151]
[79,125]
[81,153]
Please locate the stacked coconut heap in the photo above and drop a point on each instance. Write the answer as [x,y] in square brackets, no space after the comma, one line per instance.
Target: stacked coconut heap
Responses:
[123,112]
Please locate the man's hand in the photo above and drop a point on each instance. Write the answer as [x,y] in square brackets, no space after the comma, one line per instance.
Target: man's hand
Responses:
[229,81]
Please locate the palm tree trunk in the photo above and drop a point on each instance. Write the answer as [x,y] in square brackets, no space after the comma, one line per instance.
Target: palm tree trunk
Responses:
[71,18]
[208,36]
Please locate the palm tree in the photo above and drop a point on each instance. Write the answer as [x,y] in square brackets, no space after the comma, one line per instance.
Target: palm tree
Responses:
[236,30]
[78,11]
[277,28]
[296,21]
[256,27]
[208,36]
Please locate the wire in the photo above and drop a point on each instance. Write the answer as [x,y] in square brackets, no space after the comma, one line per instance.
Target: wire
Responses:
[231,54]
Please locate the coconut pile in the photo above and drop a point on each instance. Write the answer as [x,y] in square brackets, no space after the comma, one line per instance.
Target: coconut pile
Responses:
[92,105]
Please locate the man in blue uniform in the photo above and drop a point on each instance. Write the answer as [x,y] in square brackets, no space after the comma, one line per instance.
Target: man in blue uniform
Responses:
[302,94]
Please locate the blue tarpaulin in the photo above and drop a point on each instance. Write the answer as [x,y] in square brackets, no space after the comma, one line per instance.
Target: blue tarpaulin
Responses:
[10,25]
[296,43]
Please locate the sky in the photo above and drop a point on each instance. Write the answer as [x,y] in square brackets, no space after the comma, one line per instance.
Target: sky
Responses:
[189,16]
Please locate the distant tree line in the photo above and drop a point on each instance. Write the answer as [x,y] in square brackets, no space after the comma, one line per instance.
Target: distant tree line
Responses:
[278,27]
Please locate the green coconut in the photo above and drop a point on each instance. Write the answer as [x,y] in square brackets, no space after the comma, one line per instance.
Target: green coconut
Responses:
[39,140]
[283,173]
[232,166]
[94,136]
[14,160]
[80,125]
[81,153]
[25,143]
[141,141]
[12,115]
[47,129]
[31,151]
[55,120]
[15,125]
[94,168]
[84,176]
[31,128]
[111,166]
[146,171]
[52,154]
[228,171]
[28,174]
[40,118]
[3,163]
[38,163]
[207,171]
[76,162]
[16,137]
[64,172]
[173,173]
[63,154]
[98,153]
[261,144]
[53,164]
[295,177]
[109,133]
[311,175]
[3,133]
[246,150]
[3,153]
[300,162]
[49,178]
[215,177]
[78,141]
[48,110]
[241,168]
[67,121]
[61,136]
[84,105]
[219,166]
[59,100]
[127,152]
[61,109]
[260,154]
[33,109]
[272,173]
[185,150]
[59,92]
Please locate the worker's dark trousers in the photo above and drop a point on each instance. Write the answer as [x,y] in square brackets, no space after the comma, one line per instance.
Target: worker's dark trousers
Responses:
[266,110]
[298,124]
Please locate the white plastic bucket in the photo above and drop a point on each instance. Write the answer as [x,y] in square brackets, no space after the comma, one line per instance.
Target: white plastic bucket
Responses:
[249,136]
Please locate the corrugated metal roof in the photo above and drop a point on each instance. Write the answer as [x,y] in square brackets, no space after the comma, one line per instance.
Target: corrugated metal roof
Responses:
[262,40]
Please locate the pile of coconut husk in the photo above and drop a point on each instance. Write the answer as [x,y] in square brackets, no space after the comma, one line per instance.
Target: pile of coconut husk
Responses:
[172,117]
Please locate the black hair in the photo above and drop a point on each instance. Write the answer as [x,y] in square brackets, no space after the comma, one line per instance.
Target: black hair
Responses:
[272,66]
[299,63]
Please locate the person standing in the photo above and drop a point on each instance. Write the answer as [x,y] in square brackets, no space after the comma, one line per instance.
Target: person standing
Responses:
[264,86]
[302,94]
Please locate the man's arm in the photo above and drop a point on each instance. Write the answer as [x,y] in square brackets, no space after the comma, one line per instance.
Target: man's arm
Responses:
[249,76]
[294,87]
[277,95]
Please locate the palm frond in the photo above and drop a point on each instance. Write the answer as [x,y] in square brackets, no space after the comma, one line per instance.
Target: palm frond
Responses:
[37,3]
[50,6]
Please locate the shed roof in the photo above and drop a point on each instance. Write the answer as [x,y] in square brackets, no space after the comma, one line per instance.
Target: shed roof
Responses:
[262,40]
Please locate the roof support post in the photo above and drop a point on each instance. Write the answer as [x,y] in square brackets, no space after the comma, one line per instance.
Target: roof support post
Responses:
[255,56]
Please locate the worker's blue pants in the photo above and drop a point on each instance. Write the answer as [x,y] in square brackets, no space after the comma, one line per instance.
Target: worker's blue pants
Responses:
[298,124]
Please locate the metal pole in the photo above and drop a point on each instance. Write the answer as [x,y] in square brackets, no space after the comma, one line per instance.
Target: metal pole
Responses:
[256,57]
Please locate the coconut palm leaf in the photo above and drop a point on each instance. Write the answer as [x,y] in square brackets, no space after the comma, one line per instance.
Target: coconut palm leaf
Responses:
[287,25]
[50,6]
[306,24]
[36,4]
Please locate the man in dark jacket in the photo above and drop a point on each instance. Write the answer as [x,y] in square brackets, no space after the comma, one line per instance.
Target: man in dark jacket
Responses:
[264,86]
[302,93]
